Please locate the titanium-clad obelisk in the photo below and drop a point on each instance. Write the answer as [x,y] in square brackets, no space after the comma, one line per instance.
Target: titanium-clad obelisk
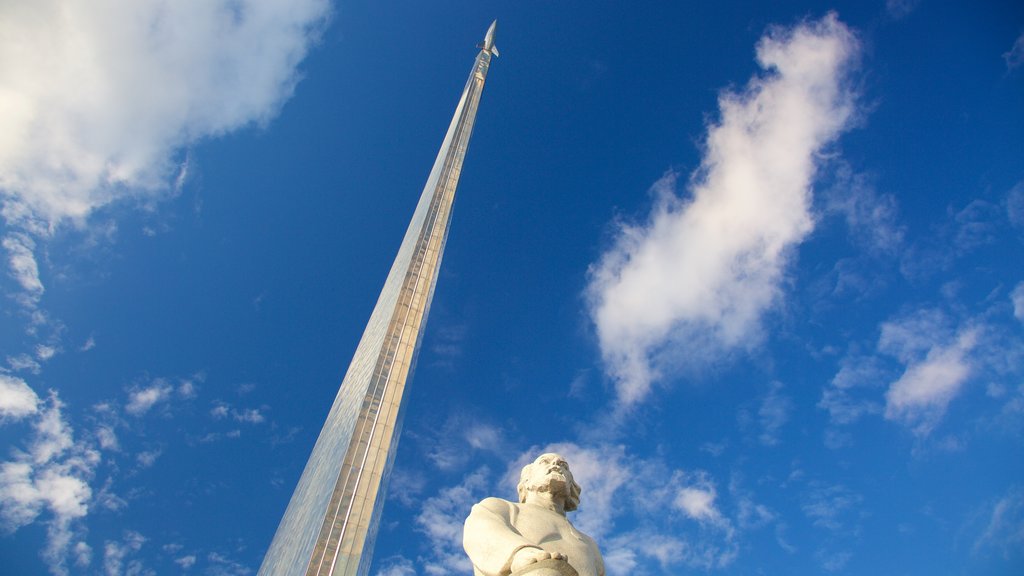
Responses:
[331,521]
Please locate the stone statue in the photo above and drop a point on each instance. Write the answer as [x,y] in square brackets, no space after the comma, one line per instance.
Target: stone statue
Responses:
[533,536]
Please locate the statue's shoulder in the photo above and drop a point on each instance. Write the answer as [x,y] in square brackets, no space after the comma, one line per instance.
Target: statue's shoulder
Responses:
[497,505]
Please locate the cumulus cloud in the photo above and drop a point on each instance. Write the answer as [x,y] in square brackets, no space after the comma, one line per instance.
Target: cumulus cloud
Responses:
[937,362]
[99,99]
[142,399]
[53,476]
[698,275]
[17,399]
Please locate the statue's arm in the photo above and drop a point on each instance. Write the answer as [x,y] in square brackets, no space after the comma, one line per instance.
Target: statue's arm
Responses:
[490,539]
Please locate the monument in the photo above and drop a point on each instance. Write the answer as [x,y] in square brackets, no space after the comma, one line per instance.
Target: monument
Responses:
[532,536]
[331,521]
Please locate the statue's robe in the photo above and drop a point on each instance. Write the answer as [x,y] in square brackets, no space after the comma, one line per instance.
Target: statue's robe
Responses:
[496,529]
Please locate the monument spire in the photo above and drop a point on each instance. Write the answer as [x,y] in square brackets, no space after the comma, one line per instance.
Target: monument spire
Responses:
[331,521]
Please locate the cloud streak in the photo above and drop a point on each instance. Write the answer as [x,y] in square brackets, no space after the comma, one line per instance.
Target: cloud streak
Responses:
[695,279]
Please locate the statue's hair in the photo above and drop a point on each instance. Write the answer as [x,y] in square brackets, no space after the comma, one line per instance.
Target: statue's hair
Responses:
[572,500]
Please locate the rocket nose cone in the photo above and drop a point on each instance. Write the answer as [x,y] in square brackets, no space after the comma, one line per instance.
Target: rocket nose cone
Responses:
[489,38]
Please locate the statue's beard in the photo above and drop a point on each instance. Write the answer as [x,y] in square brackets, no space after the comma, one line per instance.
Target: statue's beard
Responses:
[554,483]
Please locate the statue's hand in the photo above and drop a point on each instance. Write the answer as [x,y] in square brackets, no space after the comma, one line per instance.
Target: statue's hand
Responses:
[526,556]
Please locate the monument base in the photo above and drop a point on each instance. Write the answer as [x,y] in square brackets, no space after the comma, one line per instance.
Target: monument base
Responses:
[549,567]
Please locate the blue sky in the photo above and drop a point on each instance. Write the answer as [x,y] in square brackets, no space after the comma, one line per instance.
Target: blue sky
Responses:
[756,269]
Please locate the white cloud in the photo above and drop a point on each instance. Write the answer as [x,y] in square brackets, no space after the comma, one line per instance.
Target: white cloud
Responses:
[1015,55]
[186,562]
[148,458]
[698,503]
[53,476]
[248,415]
[83,554]
[99,97]
[142,399]
[89,344]
[17,399]
[1017,296]
[920,396]
[44,352]
[697,277]
[187,389]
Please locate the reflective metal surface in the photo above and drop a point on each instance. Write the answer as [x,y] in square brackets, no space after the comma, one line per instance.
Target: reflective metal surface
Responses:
[331,521]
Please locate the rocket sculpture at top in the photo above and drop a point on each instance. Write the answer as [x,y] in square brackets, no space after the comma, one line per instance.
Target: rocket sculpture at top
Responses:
[331,521]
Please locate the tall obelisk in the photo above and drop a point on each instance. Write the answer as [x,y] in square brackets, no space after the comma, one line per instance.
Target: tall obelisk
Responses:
[331,521]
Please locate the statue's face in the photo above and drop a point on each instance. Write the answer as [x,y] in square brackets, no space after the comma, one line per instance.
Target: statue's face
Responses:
[551,471]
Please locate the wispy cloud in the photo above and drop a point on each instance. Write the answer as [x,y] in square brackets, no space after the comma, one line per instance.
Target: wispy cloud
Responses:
[898,9]
[1017,297]
[23,268]
[937,361]
[773,414]
[118,556]
[851,395]
[1005,529]
[834,507]
[871,218]
[1014,57]
[441,519]
[461,436]
[697,276]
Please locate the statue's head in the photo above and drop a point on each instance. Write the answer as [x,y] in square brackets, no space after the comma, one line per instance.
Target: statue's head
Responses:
[549,473]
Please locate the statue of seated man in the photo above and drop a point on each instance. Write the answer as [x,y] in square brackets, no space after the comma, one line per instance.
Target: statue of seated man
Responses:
[503,537]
